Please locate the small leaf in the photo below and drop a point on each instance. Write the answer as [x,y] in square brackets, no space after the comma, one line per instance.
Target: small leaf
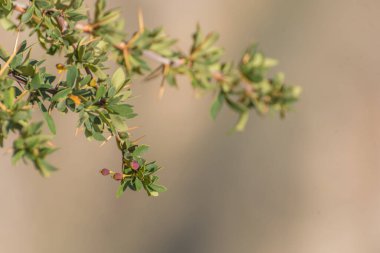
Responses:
[124,110]
[9,97]
[217,105]
[27,16]
[140,150]
[98,136]
[242,122]
[100,92]
[50,122]
[76,3]
[36,82]
[99,8]
[158,188]
[121,189]
[71,77]
[62,94]
[44,167]
[118,79]
[17,156]
[138,184]
[119,123]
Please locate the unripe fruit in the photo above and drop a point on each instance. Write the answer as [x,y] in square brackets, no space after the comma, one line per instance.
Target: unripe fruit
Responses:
[118,176]
[105,172]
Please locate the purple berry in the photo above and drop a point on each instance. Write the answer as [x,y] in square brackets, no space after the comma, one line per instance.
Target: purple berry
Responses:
[135,165]
[118,176]
[105,172]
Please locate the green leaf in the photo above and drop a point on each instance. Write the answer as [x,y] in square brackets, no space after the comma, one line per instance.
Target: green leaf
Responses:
[217,105]
[235,106]
[124,110]
[140,150]
[100,92]
[158,188]
[242,122]
[210,40]
[17,156]
[17,61]
[50,122]
[9,97]
[121,189]
[36,82]
[44,167]
[27,70]
[85,80]
[98,136]
[138,184]
[27,16]
[76,3]
[99,8]
[62,94]
[118,79]
[7,24]
[43,4]
[72,75]
[119,123]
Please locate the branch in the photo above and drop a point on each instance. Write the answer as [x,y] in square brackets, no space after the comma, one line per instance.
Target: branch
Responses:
[20,7]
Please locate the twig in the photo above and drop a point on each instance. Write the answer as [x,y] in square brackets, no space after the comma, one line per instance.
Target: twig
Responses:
[6,65]
[141,21]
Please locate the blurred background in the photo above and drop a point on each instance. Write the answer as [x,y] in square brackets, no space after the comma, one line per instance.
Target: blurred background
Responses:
[309,183]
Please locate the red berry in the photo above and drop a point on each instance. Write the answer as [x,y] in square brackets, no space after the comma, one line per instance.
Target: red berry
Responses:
[105,172]
[135,165]
[118,176]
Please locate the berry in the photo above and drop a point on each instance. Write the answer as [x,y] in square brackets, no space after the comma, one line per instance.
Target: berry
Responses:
[135,165]
[118,176]
[105,172]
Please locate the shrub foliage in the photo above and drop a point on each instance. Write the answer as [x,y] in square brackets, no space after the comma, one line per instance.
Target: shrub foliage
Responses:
[83,85]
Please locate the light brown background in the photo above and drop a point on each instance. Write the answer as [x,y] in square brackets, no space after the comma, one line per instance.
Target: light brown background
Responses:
[309,184]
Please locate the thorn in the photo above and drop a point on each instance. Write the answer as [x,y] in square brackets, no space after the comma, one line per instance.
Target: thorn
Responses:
[77,130]
[141,21]
[126,60]
[51,144]
[161,92]
[165,71]
[90,40]
[133,128]
[107,140]
[2,70]
[156,72]
[134,97]
[137,140]
[8,151]
[16,43]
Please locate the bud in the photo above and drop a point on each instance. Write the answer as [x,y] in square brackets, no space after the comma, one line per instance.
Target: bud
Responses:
[93,83]
[60,68]
[135,165]
[105,172]
[118,176]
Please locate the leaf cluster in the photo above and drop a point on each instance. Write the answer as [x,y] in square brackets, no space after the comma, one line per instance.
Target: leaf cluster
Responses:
[83,85]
